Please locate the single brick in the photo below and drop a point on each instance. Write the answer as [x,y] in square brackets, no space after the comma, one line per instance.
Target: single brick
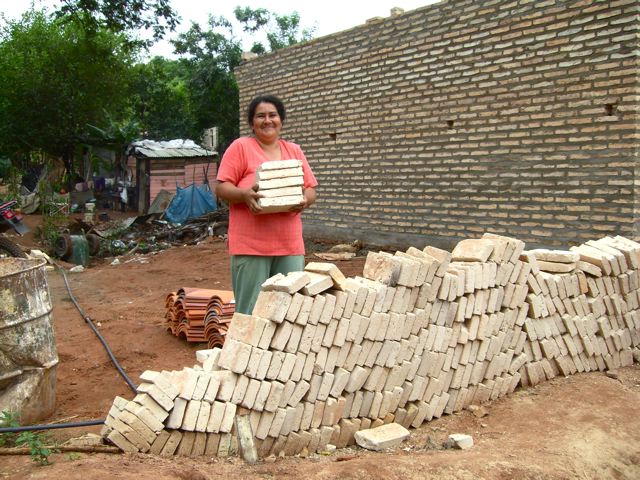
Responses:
[235,356]
[291,283]
[170,447]
[382,267]
[177,413]
[272,305]
[328,269]
[247,328]
[191,415]
[318,284]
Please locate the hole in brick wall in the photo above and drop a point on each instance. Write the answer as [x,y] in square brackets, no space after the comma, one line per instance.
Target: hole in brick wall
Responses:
[611,109]
[449,124]
[333,136]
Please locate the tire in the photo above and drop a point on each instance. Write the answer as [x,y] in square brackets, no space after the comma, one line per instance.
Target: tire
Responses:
[94,243]
[62,248]
[10,249]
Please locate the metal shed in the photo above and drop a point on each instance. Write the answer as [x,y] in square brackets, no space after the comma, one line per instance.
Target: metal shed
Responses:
[165,165]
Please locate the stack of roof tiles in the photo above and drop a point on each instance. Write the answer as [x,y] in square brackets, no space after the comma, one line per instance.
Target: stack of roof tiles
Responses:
[200,314]
[420,334]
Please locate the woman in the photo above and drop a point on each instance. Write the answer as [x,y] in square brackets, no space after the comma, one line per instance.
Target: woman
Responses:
[261,245]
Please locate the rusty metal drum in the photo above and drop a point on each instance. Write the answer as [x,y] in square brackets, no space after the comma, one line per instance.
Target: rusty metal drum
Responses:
[28,354]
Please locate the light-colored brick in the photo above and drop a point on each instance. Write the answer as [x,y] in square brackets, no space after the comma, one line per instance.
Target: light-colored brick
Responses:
[328,269]
[247,329]
[318,283]
[272,305]
[290,283]
[170,447]
[235,356]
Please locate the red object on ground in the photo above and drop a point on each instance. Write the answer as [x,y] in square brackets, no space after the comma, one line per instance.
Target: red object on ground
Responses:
[200,315]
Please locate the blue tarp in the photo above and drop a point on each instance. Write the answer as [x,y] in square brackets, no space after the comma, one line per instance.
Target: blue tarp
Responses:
[191,202]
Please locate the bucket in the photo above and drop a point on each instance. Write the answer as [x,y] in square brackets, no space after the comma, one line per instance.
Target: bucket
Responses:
[28,354]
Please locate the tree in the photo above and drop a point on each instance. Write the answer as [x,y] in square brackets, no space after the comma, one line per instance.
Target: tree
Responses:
[209,59]
[55,80]
[117,135]
[160,99]
[210,56]
[121,16]
[281,30]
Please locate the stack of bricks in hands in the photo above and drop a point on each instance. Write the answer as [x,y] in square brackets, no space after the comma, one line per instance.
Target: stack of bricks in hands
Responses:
[583,309]
[421,333]
[280,182]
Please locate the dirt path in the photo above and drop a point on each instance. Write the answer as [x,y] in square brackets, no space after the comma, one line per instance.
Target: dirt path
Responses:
[586,426]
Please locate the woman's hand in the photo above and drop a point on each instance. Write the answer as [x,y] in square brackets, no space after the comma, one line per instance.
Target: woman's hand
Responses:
[250,197]
[309,195]
[233,194]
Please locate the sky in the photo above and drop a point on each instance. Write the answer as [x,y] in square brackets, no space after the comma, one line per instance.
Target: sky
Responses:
[327,16]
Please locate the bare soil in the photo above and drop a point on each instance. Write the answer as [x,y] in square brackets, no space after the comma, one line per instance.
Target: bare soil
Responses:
[582,427]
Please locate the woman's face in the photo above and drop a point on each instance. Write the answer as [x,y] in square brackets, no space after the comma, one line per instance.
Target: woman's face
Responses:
[266,123]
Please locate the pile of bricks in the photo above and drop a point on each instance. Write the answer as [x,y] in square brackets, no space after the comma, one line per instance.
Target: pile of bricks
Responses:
[585,318]
[420,334]
[280,182]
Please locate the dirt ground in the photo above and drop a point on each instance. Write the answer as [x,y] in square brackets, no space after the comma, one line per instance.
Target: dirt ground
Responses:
[582,427]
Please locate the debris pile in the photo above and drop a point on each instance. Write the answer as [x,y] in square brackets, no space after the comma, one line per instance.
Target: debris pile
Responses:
[420,334]
[140,234]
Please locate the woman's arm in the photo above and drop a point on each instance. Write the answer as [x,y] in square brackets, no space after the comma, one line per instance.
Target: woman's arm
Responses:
[232,194]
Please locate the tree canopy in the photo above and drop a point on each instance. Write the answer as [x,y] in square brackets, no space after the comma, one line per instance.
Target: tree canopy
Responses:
[281,30]
[55,81]
[122,16]
[76,72]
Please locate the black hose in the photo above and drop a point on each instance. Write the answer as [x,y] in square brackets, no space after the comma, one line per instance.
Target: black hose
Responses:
[132,385]
[50,427]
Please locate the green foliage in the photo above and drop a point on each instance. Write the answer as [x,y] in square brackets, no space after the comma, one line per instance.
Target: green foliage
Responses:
[5,167]
[38,443]
[71,79]
[52,224]
[252,20]
[11,177]
[122,16]
[210,57]
[281,30]
[160,100]
[286,32]
[53,220]
[212,53]
[117,135]
[8,420]
[50,92]
[99,164]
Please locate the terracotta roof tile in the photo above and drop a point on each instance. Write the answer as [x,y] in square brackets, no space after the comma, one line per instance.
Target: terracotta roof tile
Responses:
[199,314]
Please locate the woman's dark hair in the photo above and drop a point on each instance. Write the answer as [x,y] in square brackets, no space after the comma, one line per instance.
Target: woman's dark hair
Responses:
[272,99]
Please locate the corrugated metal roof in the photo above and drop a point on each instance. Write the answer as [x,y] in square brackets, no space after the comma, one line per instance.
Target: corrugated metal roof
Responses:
[170,149]
[174,152]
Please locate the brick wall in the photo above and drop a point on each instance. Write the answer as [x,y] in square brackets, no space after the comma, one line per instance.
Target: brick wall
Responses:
[515,117]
